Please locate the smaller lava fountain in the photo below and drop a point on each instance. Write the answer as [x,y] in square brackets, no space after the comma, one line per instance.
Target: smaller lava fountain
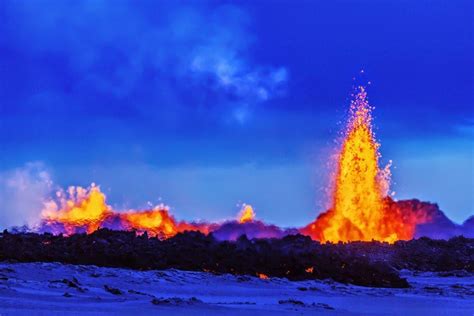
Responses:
[246,214]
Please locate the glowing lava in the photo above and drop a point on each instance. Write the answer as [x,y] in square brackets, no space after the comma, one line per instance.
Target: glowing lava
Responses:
[85,210]
[79,207]
[246,214]
[360,185]
[360,209]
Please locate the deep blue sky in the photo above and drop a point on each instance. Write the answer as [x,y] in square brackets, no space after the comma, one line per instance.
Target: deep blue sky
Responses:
[206,104]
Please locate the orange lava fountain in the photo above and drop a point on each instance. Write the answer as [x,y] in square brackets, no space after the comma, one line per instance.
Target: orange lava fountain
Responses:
[79,207]
[83,209]
[360,209]
[246,214]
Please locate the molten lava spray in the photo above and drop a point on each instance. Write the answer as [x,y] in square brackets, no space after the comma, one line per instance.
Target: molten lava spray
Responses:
[78,207]
[246,214]
[359,184]
[359,205]
[81,209]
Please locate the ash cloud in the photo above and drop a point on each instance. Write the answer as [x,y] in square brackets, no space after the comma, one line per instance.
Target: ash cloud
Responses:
[22,191]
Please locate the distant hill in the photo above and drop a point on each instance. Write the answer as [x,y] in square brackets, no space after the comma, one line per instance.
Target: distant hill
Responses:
[468,227]
[437,224]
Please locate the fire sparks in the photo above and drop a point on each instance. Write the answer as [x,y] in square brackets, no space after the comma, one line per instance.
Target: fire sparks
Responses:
[360,209]
[246,214]
[358,194]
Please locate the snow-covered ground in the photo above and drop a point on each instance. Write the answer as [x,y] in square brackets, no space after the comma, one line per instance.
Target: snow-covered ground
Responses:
[58,289]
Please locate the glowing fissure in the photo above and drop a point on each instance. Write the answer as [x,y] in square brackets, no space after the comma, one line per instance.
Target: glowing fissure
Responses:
[360,206]
[81,209]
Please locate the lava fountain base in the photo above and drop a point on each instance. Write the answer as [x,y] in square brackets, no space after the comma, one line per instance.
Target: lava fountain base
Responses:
[294,257]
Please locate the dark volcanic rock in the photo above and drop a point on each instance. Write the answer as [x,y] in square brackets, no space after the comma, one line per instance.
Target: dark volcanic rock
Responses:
[112,290]
[295,257]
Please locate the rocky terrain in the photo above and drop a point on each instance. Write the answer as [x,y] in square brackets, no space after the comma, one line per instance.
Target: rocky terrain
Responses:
[294,257]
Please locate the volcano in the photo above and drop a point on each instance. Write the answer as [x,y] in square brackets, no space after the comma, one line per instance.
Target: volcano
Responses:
[366,239]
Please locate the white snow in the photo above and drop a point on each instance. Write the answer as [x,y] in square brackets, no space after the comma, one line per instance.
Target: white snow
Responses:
[39,289]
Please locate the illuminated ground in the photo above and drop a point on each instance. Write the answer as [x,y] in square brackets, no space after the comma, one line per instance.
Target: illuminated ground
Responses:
[56,289]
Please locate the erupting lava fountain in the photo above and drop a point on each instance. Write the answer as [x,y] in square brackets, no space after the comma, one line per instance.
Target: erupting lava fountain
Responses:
[360,207]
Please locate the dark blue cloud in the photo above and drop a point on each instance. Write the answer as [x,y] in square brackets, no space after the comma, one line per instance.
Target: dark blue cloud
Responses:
[120,57]
[99,85]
